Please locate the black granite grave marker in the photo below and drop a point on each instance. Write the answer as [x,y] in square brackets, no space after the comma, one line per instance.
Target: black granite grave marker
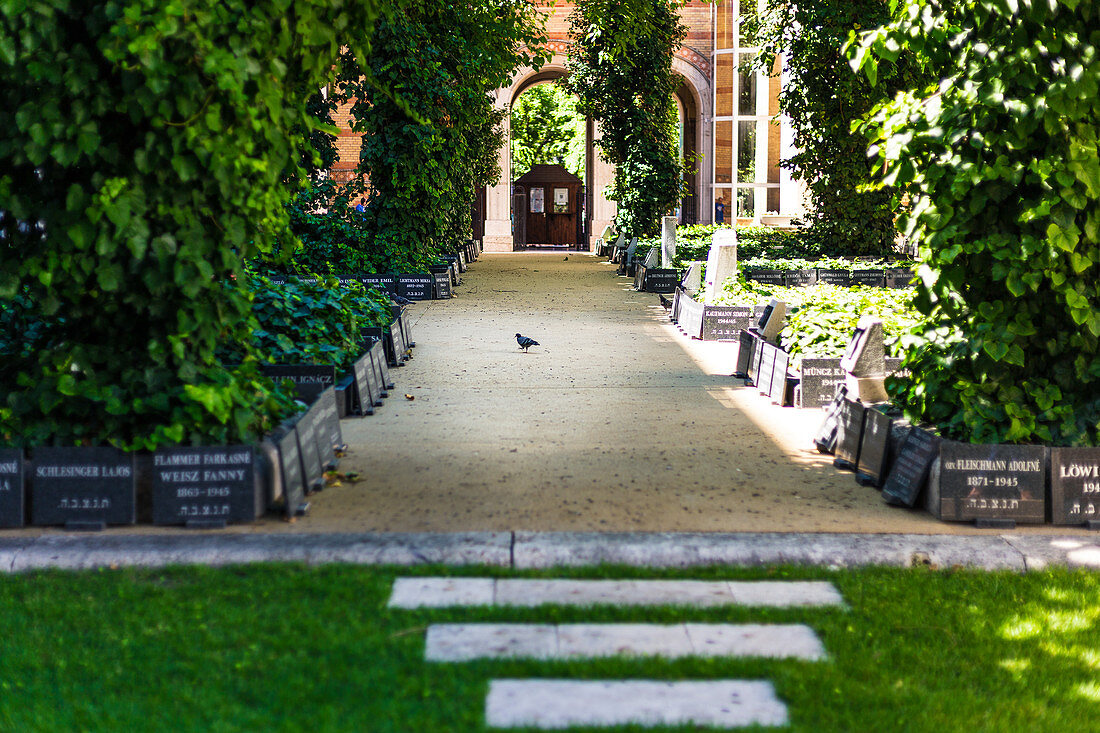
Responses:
[82,488]
[330,437]
[309,380]
[767,277]
[674,312]
[874,449]
[995,485]
[206,487]
[909,471]
[397,338]
[800,278]
[290,464]
[382,367]
[442,286]
[826,437]
[778,390]
[872,278]
[849,434]
[384,283]
[277,279]
[345,396]
[843,278]
[661,280]
[747,342]
[12,495]
[347,281]
[313,473]
[1075,486]
[899,277]
[819,380]
[415,287]
[385,336]
[725,322]
[757,358]
[406,328]
[767,368]
[366,394]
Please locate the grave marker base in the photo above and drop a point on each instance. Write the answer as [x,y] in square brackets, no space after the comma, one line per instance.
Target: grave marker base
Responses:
[1093,525]
[205,524]
[990,523]
[85,526]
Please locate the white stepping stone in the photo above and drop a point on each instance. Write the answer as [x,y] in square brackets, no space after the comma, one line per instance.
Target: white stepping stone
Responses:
[516,592]
[555,704]
[443,592]
[796,641]
[464,642]
[588,641]
[785,593]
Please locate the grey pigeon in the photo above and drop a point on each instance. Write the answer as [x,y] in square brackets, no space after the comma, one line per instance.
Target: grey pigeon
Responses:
[525,343]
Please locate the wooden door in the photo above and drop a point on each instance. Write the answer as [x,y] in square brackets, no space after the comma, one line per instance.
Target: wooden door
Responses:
[537,230]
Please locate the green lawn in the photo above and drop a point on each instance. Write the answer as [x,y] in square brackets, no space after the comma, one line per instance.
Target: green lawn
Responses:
[285,647]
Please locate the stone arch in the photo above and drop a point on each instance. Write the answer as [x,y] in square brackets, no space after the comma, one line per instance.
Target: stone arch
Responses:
[695,97]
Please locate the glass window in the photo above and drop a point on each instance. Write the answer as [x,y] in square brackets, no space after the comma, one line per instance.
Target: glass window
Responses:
[746,83]
[748,14]
[723,84]
[746,202]
[723,152]
[746,151]
[723,25]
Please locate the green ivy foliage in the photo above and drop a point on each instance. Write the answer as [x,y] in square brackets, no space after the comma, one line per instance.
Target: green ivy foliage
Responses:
[821,95]
[822,318]
[310,320]
[422,97]
[145,154]
[621,70]
[694,243]
[1000,160]
[546,129]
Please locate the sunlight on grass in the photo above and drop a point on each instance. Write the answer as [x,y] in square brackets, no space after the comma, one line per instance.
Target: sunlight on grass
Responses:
[1089,691]
[1016,667]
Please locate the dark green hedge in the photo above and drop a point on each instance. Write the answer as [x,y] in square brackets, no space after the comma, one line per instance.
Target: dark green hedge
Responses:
[145,156]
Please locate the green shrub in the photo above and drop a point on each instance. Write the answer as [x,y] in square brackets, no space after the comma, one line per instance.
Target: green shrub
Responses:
[148,151]
[311,321]
[1001,163]
[821,318]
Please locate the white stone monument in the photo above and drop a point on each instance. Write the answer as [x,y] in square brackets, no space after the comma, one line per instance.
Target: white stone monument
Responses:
[668,240]
[721,262]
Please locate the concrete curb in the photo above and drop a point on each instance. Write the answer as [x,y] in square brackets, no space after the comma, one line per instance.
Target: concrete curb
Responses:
[553,549]
[88,552]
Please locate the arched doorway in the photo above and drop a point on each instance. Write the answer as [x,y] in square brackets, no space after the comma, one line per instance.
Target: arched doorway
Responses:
[695,101]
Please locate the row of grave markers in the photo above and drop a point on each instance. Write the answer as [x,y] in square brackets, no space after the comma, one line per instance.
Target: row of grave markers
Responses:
[436,284]
[88,488]
[894,277]
[992,485]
